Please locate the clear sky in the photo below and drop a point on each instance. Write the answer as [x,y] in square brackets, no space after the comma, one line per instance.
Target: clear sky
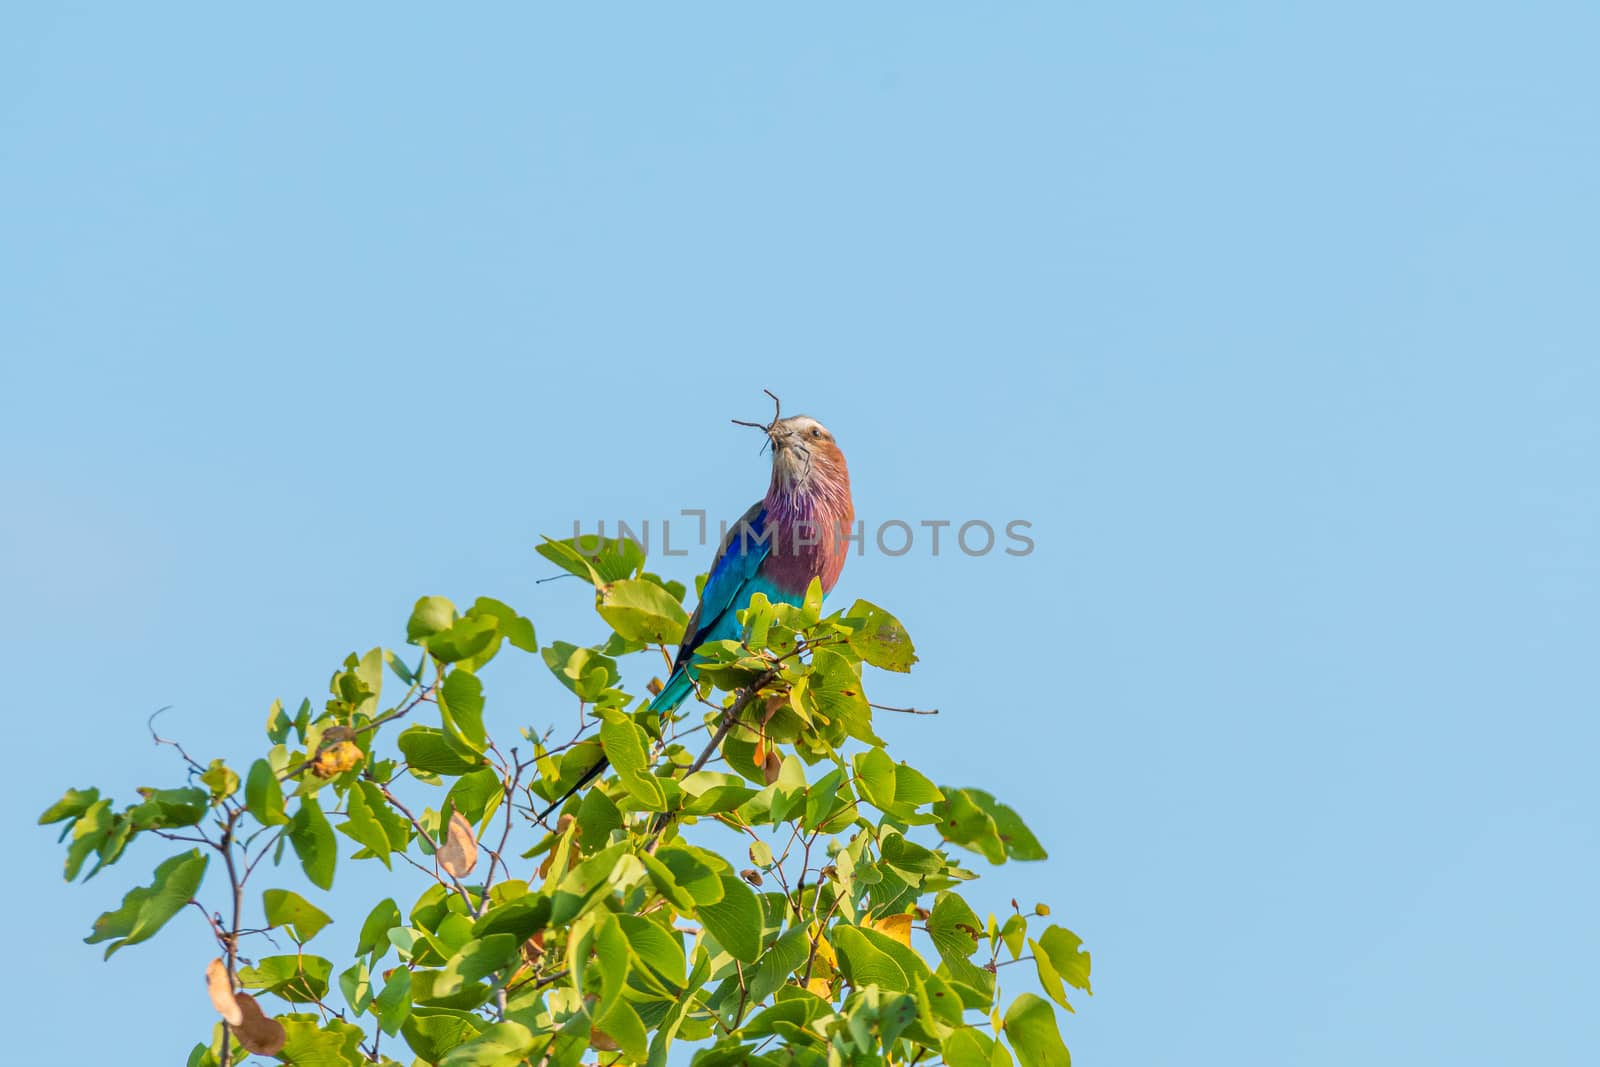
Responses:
[1277,322]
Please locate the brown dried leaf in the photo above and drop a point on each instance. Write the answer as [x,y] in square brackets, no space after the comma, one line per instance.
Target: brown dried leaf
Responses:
[459,853]
[221,990]
[752,876]
[771,767]
[258,1032]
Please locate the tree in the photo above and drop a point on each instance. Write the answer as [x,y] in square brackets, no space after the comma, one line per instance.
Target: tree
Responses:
[836,935]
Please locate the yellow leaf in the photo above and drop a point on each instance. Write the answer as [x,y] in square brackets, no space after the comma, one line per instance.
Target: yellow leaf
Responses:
[336,759]
[897,927]
[825,953]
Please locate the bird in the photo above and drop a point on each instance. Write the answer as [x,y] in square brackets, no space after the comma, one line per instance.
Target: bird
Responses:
[799,531]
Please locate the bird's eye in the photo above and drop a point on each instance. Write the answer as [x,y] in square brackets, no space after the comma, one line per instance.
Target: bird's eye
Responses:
[815,432]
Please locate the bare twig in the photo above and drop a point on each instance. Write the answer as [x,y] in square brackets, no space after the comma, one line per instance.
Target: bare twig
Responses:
[904,711]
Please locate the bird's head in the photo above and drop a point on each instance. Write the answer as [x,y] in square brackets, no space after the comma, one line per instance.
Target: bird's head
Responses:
[803,452]
[805,458]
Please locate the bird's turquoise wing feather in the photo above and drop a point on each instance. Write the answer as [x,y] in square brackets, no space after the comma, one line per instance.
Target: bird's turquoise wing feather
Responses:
[734,578]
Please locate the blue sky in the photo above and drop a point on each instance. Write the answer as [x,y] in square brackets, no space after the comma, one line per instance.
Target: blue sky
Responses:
[1278,325]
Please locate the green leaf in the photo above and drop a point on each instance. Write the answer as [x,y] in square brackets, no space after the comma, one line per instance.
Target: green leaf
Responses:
[658,949]
[466,639]
[598,816]
[432,614]
[426,749]
[433,1032]
[692,869]
[912,790]
[735,920]
[1058,958]
[355,982]
[787,954]
[1014,934]
[966,1047]
[313,842]
[1030,1026]
[278,723]
[1068,958]
[1018,839]
[622,1024]
[146,909]
[473,794]
[301,979]
[71,806]
[401,671]
[811,607]
[521,918]
[396,827]
[875,778]
[864,961]
[513,627]
[385,916]
[954,927]
[221,780]
[165,809]
[668,885]
[642,611]
[461,707]
[475,960]
[614,1016]
[585,671]
[393,1003]
[625,743]
[500,1045]
[974,819]
[833,690]
[263,795]
[879,638]
[284,908]
[591,557]
[311,1043]
[92,831]
[361,824]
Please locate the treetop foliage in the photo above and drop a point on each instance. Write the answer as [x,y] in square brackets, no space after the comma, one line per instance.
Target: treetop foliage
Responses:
[816,918]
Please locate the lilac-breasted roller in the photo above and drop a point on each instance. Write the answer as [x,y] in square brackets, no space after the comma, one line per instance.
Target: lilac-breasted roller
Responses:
[797,532]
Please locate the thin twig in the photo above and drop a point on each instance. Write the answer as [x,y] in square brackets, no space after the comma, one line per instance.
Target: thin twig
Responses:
[904,711]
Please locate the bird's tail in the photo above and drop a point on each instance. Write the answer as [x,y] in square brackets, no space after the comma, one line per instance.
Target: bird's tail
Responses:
[675,692]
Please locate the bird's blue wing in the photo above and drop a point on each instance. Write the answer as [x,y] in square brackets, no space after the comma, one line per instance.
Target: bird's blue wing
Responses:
[733,578]
[726,590]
